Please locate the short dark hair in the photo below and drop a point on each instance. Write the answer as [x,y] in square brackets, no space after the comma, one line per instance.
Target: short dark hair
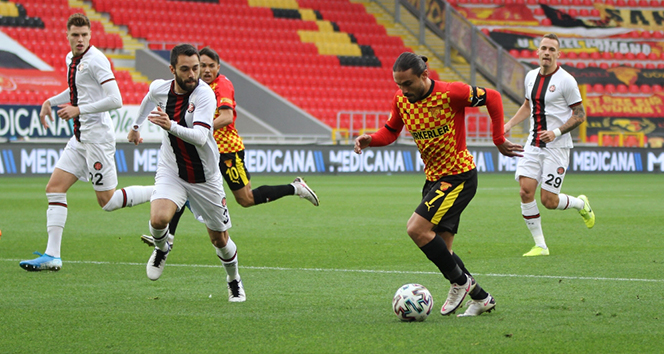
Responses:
[552,36]
[209,52]
[78,20]
[408,60]
[182,49]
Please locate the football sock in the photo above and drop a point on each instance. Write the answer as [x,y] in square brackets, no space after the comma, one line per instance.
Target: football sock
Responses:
[266,194]
[478,293]
[533,220]
[160,237]
[173,225]
[128,197]
[567,201]
[56,217]
[228,257]
[437,252]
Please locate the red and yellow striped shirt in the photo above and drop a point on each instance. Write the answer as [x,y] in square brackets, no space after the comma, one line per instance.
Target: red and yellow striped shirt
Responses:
[227,138]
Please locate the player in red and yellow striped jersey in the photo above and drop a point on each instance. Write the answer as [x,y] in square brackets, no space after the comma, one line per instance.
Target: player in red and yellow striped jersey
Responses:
[231,147]
[433,112]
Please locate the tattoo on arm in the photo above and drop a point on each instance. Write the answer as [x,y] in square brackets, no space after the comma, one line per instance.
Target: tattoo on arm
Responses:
[577,118]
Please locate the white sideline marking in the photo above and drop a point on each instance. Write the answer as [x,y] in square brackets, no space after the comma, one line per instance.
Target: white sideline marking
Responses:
[364,271]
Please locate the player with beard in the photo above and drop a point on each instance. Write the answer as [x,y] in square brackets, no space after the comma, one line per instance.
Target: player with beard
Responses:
[433,112]
[556,109]
[188,164]
[90,153]
[231,149]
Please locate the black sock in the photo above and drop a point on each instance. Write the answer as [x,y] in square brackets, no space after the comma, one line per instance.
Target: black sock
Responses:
[266,194]
[478,293]
[173,225]
[437,252]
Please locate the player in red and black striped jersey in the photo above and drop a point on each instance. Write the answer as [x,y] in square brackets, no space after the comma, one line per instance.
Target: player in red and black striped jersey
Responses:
[184,107]
[553,104]
[433,112]
[90,153]
[231,147]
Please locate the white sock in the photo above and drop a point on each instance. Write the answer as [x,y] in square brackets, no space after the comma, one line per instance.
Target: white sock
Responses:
[228,257]
[56,217]
[128,197]
[567,201]
[533,220]
[160,237]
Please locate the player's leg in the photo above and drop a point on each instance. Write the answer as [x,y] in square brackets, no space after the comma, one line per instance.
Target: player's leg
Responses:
[238,179]
[481,301]
[227,253]
[100,161]
[441,207]
[208,200]
[554,171]
[528,174]
[56,217]
[69,168]
[169,195]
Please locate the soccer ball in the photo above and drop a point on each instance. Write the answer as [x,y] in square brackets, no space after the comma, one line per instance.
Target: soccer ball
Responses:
[412,302]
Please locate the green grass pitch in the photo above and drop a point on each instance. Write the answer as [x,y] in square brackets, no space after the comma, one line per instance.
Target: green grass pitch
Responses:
[321,280]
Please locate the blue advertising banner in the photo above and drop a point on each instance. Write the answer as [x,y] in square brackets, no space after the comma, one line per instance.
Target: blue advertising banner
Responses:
[26,159]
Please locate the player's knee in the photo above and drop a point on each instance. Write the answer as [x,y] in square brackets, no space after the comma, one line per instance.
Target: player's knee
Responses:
[525,195]
[244,202]
[550,201]
[159,221]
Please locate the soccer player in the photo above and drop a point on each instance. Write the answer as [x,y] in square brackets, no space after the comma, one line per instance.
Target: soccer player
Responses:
[555,110]
[188,163]
[231,148]
[90,153]
[433,112]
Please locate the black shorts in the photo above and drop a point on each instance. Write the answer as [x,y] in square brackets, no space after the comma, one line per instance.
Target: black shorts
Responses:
[445,199]
[232,168]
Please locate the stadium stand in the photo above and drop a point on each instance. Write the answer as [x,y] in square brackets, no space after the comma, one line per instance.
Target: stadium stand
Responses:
[329,57]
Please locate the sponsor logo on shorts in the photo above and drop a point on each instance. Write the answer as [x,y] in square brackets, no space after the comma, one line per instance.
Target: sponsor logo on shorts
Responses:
[97,166]
[561,170]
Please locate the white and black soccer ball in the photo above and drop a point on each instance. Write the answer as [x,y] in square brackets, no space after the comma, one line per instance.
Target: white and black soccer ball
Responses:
[412,302]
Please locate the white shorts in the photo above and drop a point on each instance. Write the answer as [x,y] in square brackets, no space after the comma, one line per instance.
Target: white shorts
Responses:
[207,200]
[546,165]
[90,162]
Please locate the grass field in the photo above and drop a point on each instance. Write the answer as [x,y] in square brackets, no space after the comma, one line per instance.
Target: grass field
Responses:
[321,280]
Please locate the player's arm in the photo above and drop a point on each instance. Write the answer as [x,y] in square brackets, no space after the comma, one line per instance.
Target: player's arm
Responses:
[522,114]
[147,105]
[46,111]
[577,118]
[571,94]
[385,135]
[224,118]
[113,99]
[494,105]
[202,122]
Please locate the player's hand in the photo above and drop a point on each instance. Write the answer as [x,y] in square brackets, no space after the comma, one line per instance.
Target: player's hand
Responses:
[546,136]
[134,137]
[362,142]
[160,118]
[68,111]
[46,112]
[510,149]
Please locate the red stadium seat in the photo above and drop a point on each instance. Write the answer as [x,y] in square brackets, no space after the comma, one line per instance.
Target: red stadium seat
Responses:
[609,88]
[645,89]
[622,88]
[634,89]
[598,88]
